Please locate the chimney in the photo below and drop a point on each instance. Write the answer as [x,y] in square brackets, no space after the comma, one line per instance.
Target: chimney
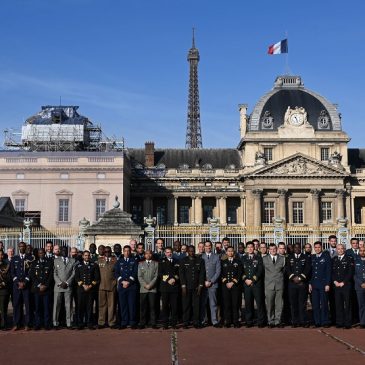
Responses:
[149,154]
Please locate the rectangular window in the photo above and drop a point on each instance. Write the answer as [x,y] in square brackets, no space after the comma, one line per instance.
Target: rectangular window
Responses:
[298,212]
[63,210]
[137,211]
[161,214]
[100,208]
[184,213]
[232,206]
[268,153]
[269,212]
[326,212]
[325,154]
[207,212]
[20,205]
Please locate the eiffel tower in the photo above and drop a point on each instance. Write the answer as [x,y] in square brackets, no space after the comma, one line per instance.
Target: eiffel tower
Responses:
[193,129]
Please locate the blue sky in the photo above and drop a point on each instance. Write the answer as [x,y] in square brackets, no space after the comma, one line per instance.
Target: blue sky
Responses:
[124,62]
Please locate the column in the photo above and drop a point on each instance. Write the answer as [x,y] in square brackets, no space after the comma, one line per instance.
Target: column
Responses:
[223,210]
[192,217]
[216,210]
[198,210]
[350,207]
[340,203]
[315,207]
[175,211]
[363,215]
[257,195]
[170,210]
[282,203]
[241,211]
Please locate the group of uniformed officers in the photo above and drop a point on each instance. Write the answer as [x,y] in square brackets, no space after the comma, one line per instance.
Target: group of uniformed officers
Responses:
[133,287]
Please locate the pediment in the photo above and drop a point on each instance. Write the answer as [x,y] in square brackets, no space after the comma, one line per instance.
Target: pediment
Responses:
[299,165]
[19,193]
[101,192]
[64,192]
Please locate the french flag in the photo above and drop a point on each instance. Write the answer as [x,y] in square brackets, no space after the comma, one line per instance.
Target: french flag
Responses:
[278,48]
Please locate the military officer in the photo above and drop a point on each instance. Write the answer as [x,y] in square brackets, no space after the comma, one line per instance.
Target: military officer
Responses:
[49,250]
[19,269]
[107,289]
[87,277]
[168,274]
[231,274]
[354,250]
[192,278]
[159,249]
[342,275]
[140,252]
[253,274]
[320,284]
[4,289]
[147,277]
[41,275]
[359,278]
[298,269]
[126,271]
[117,250]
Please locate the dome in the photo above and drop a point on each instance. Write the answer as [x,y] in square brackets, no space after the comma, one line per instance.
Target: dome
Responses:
[289,91]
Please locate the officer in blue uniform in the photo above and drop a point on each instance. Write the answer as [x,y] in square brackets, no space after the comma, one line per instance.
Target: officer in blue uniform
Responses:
[87,277]
[19,270]
[320,285]
[298,268]
[126,273]
[359,278]
[41,274]
[342,276]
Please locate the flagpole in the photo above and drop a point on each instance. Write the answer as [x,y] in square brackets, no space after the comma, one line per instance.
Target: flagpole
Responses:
[287,69]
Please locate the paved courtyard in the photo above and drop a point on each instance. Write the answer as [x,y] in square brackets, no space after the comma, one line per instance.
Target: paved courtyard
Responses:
[210,346]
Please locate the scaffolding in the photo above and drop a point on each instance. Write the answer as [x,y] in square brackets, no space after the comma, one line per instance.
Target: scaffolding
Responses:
[60,128]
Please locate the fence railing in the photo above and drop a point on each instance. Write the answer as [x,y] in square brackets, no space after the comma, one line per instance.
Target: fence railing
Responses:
[186,234]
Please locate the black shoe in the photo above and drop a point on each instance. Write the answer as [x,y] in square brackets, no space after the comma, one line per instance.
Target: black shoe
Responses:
[70,328]
[281,325]
[80,328]
[228,325]
[134,327]
[249,325]
[155,327]
[185,326]
[100,327]
[261,325]
[347,327]
[114,327]
[236,325]
[305,325]
[91,327]
[362,326]
[338,326]
[271,325]
[175,326]
[37,328]
[217,325]
[165,327]
[122,327]
[47,328]
[141,326]
[326,325]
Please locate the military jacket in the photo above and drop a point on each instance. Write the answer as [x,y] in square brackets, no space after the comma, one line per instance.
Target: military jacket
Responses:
[321,270]
[253,269]
[41,273]
[126,270]
[4,278]
[231,271]
[107,278]
[168,270]
[298,267]
[359,276]
[19,268]
[192,272]
[342,270]
[87,274]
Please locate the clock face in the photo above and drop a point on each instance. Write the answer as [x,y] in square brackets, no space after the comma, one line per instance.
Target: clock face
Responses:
[296,119]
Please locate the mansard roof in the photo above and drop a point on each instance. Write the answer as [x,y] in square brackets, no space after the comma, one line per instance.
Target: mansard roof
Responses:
[218,158]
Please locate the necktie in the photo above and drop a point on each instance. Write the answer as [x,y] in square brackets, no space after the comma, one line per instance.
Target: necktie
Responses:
[65,260]
[250,257]
[148,263]
[208,256]
[170,260]
[273,260]
[230,260]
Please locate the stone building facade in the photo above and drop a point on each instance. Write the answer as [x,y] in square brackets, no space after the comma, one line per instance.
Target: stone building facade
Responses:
[292,162]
